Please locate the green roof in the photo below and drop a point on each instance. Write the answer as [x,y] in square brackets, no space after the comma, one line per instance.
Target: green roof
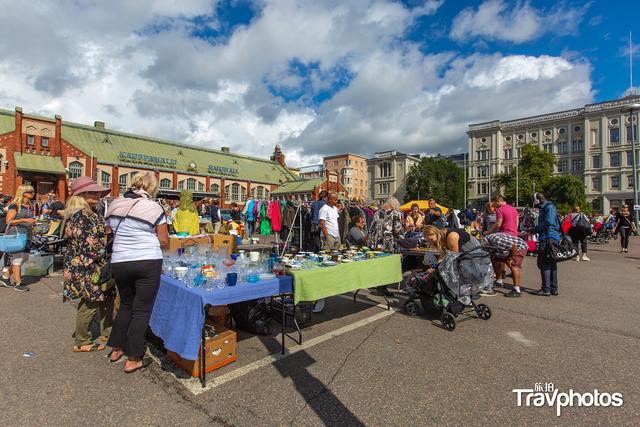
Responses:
[127,149]
[295,187]
[7,122]
[38,163]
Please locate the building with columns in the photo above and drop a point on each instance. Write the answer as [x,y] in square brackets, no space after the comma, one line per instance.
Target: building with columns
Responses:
[388,171]
[49,153]
[592,142]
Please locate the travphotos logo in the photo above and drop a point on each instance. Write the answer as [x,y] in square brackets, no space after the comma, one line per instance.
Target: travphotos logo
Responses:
[546,394]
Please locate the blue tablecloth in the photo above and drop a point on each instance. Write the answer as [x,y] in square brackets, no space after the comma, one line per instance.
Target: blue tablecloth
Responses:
[178,313]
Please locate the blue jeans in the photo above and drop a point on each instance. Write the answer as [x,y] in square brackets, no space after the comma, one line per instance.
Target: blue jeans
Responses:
[548,269]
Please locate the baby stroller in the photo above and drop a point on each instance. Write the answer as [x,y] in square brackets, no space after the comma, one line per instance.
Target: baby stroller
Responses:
[452,287]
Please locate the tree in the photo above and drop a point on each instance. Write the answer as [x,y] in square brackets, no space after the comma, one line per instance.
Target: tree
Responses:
[535,169]
[566,192]
[436,178]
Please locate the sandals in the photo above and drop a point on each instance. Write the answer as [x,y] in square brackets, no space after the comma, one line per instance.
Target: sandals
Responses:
[115,360]
[145,363]
[94,347]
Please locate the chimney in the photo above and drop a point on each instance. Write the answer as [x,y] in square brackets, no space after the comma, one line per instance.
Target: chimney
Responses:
[225,149]
[99,125]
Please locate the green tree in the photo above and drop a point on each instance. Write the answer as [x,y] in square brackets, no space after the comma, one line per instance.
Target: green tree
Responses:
[535,169]
[436,178]
[566,191]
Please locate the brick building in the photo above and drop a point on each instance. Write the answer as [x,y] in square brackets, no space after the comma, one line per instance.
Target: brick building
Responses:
[352,172]
[49,154]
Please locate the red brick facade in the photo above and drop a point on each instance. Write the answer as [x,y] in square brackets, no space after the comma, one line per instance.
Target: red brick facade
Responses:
[37,136]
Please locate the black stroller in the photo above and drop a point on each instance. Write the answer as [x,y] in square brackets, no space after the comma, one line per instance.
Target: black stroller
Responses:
[453,286]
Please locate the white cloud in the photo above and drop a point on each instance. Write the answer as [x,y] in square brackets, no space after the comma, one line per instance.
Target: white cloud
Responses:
[516,22]
[136,66]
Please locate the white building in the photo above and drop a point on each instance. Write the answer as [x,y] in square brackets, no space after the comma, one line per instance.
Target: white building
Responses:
[592,142]
[388,172]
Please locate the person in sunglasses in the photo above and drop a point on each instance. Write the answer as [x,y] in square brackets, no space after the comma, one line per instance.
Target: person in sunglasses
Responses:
[20,219]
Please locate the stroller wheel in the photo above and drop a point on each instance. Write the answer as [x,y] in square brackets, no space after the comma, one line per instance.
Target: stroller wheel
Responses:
[601,240]
[411,308]
[483,311]
[448,321]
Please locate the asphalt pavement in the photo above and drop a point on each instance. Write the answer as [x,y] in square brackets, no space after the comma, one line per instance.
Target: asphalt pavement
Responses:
[360,367]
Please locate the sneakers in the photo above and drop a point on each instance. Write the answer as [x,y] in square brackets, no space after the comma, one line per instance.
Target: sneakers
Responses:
[577,258]
[554,293]
[542,293]
[490,293]
[585,257]
[21,287]
[497,284]
[5,283]
[513,294]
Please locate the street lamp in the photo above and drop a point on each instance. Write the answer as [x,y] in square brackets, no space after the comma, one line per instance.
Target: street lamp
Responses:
[634,107]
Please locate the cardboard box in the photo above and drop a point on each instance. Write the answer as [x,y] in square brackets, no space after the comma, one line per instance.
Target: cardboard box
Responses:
[180,242]
[220,351]
[225,240]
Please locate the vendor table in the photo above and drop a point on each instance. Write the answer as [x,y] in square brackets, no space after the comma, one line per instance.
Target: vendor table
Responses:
[178,315]
[255,247]
[323,282]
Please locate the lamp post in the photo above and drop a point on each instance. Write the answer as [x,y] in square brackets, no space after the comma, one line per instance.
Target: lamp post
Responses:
[634,107]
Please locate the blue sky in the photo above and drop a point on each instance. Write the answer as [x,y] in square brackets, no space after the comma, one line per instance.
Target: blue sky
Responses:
[317,77]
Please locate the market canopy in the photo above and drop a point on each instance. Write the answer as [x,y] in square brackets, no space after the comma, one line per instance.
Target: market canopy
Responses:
[38,163]
[423,205]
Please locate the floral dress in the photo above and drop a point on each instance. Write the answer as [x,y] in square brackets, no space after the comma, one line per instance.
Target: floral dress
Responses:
[86,254]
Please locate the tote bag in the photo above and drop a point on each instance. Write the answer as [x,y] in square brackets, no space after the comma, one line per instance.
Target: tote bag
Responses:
[11,243]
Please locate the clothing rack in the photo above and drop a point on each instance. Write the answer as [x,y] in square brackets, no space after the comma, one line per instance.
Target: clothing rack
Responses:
[298,217]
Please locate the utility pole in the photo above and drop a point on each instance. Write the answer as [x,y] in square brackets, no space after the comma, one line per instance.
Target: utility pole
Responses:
[464,168]
[517,179]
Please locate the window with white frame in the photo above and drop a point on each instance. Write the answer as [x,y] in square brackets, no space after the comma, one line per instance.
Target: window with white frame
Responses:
[385,170]
[123,182]
[76,170]
[227,193]
[215,188]
[384,188]
[191,184]
[105,179]
[508,154]
[31,140]
[614,159]
[614,136]
[235,192]
[200,186]
[259,191]
[548,147]
[595,184]
[577,145]
[44,142]
[165,183]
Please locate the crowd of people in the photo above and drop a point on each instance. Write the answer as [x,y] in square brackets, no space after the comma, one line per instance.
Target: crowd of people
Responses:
[507,233]
[114,246]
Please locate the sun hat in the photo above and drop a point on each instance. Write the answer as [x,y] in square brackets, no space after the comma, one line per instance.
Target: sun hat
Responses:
[85,184]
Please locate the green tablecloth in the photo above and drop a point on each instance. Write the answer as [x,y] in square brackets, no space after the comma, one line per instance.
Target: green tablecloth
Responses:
[323,282]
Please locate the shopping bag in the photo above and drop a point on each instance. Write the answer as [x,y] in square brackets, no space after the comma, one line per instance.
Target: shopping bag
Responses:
[563,250]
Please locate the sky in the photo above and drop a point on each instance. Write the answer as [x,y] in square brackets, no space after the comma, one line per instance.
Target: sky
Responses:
[318,77]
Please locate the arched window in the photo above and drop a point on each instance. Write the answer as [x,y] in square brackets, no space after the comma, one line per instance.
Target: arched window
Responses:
[181,185]
[106,179]
[243,194]
[191,184]
[76,170]
[253,192]
[200,186]
[165,183]
[260,191]
[215,188]
[235,192]
[227,193]
[266,193]
[123,182]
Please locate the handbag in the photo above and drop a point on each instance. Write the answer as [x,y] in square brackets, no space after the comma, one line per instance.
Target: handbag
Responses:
[104,278]
[11,243]
[563,250]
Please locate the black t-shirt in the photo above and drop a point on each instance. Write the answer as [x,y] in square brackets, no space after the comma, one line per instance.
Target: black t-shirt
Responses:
[55,207]
[235,215]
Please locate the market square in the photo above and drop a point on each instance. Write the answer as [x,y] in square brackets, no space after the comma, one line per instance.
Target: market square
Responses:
[290,212]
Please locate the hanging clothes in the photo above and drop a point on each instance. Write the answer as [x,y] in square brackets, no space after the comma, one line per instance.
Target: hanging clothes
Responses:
[265,225]
[386,230]
[273,213]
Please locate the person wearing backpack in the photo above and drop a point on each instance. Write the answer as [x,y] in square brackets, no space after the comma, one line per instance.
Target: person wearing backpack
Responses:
[579,231]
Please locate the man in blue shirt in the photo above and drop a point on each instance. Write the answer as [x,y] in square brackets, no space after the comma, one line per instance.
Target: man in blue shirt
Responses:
[548,228]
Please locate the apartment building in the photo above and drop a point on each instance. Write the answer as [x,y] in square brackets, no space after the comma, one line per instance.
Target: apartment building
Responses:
[352,172]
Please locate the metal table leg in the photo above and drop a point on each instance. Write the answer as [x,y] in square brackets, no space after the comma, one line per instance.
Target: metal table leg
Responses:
[203,358]
[284,319]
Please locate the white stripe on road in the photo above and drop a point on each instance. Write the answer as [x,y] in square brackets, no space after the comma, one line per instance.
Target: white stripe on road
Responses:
[517,336]
[193,385]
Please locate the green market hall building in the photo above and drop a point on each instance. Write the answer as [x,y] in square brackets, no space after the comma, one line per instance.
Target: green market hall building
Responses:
[49,153]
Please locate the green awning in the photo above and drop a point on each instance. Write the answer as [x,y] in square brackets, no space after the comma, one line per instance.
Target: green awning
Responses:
[37,163]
